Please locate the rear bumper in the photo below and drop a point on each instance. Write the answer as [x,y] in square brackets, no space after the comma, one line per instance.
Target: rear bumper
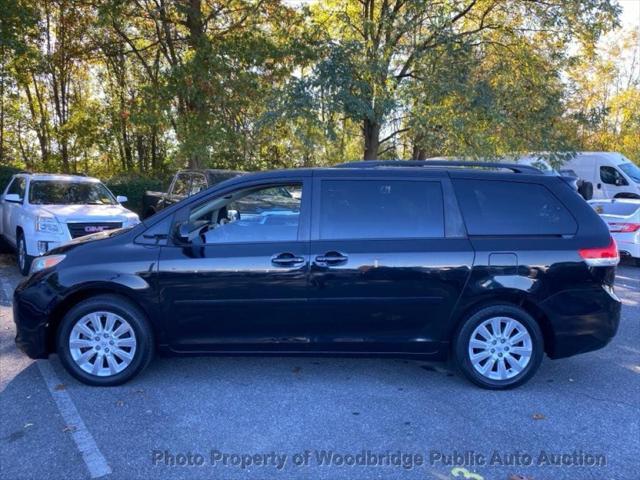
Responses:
[581,320]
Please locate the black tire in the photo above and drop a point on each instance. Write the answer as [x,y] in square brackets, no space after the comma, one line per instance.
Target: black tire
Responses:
[122,307]
[586,190]
[4,246]
[463,337]
[23,259]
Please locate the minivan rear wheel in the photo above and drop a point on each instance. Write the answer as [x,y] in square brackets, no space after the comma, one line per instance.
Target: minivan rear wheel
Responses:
[104,341]
[499,347]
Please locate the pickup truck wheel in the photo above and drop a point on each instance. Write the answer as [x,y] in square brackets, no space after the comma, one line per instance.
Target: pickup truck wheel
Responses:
[105,341]
[24,259]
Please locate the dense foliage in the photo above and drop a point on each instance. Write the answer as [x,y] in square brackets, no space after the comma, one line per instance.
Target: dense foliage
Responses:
[142,87]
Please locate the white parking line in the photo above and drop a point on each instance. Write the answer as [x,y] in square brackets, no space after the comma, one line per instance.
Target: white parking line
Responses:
[6,290]
[93,458]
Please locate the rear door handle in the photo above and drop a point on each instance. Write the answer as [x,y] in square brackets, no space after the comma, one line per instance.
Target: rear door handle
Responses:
[332,258]
[286,259]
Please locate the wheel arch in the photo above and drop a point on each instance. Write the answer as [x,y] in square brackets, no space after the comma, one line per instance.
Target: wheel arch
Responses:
[510,297]
[77,296]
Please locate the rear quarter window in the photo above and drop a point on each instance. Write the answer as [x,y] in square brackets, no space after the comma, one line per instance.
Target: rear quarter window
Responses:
[494,207]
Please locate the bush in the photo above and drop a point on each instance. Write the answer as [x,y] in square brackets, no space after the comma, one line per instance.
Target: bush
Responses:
[134,188]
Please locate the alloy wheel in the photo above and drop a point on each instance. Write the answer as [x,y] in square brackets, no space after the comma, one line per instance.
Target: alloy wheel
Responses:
[500,348]
[22,254]
[102,343]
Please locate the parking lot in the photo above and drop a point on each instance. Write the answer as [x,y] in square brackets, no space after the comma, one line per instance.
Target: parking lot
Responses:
[327,418]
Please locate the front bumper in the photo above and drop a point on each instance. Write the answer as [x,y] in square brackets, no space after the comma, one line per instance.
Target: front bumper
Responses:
[581,320]
[33,335]
[40,243]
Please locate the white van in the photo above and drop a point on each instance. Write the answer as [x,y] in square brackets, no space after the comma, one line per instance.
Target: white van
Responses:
[612,174]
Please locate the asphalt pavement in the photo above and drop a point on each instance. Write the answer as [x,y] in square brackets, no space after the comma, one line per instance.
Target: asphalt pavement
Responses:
[323,418]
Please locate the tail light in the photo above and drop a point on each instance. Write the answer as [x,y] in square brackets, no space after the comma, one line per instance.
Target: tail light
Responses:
[602,256]
[619,227]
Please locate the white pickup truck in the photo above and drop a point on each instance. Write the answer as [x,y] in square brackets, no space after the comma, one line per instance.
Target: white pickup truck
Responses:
[42,211]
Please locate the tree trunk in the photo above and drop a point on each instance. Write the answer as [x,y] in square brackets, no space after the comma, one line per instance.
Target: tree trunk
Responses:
[371,132]
[2,107]
[196,105]
[418,153]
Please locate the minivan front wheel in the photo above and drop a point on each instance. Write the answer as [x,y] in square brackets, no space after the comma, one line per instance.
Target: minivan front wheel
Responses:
[104,341]
[499,347]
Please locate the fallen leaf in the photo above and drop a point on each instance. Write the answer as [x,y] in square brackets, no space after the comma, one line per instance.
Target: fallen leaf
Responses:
[27,425]
[70,428]
[538,416]
[60,386]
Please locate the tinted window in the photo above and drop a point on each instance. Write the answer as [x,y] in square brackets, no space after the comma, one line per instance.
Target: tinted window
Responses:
[511,208]
[181,185]
[18,186]
[611,176]
[381,209]
[251,215]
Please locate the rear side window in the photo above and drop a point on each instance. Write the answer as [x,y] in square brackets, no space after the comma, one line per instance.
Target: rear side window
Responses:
[494,207]
[356,209]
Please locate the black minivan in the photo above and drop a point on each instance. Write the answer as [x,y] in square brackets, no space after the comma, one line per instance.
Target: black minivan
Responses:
[491,265]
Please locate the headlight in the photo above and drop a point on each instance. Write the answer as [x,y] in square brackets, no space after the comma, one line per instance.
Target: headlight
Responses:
[47,224]
[131,221]
[48,261]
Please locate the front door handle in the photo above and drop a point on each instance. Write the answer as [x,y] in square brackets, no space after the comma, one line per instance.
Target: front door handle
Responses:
[332,258]
[286,259]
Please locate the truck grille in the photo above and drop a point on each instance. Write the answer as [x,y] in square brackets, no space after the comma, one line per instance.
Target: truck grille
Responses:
[81,229]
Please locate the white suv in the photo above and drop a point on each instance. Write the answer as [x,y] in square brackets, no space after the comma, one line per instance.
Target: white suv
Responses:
[42,211]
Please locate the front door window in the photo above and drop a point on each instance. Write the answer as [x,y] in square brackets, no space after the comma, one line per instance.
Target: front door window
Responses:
[258,214]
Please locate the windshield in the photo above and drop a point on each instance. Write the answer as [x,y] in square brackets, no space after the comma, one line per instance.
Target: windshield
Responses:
[631,170]
[47,192]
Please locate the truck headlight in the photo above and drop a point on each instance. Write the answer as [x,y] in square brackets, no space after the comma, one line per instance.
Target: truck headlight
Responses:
[47,224]
[48,261]
[131,221]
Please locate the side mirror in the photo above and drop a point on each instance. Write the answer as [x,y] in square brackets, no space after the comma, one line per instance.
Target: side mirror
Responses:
[183,232]
[12,197]
[233,215]
[188,232]
[620,182]
[121,199]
